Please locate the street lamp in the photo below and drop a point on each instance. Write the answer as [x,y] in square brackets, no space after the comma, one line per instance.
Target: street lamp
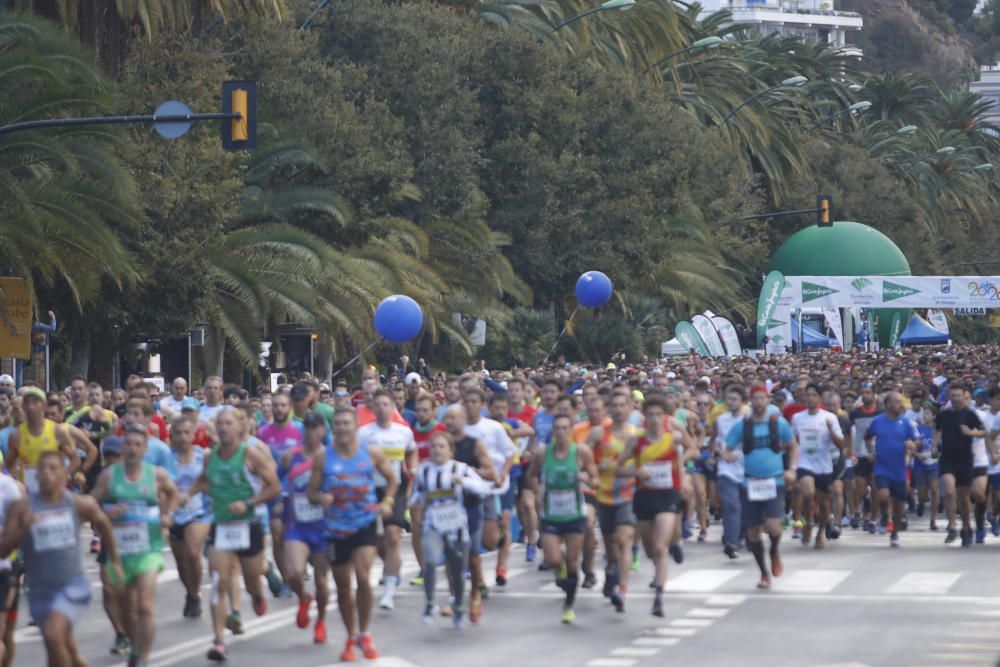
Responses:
[982,168]
[603,7]
[904,131]
[944,150]
[793,82]
[703,43]
[857,106]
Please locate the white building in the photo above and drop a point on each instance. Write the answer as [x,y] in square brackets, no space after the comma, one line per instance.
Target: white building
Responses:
[989,87]
[810,19]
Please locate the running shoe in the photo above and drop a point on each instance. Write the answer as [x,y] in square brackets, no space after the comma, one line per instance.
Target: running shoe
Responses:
[302,618]
[618,600]
[122,645]
[428,616]
[349,654]
[934,525]
[446,610]
[920,509]
[285,592]
[543,567]
[658,606]
[855,522]
[501,576]
[894,540]
[966,536]
[676,552]
[609,585]
[368,647]
[386,602]
[234,623]
[484,591]
[218,651]
[319,635]
[192,606]
[530,552]
[589,580]
[259,604]
[845,521]
[872,528]
[417,581]
[702,535]
[730,551]
[951,536]
[568,615]
[995,526]
[458,620]
[981,535]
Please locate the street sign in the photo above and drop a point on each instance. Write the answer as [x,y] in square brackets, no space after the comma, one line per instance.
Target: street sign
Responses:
[15,319]
[172,129]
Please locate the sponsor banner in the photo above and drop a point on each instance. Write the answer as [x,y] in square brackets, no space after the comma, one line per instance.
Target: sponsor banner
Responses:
[895,329]
[15,318]
[832,318]
[936,292]
[779,331]
[937,320]
[770,295]
[727,332]
[688,336]
[709,335]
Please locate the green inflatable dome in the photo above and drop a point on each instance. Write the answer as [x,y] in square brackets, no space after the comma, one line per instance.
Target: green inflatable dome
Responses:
[845,249]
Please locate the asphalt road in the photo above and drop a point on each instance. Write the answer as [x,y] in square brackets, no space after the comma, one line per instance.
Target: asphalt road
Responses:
[856,603]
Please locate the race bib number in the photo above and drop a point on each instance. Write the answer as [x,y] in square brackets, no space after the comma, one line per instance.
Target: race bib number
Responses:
[132,538]
[447,517]
[232,536]
[661,474]
[759,489]
[306,512]
[31,479]
[809,439]
[54,531]
[561,503]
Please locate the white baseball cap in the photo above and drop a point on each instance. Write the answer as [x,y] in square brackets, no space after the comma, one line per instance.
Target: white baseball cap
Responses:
[671,375]
[413,378]
[6,379]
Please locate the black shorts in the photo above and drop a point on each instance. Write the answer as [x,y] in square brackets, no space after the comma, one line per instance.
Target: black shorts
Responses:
[398,517]
[863,468]
[647,504]
[340,550]
[822,481]
[896,488]
[8,583]
[962,472]
[979,471]
[522,481]
[177,531]
[757,512]
[577,526]
[702,467]
[840,470]
[256,539]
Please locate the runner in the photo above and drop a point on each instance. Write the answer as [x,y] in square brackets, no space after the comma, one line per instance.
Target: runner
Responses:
[139,498]
[47,526]
[980,464]
[424,428]
[615,490]
[927,470]
[843,465]
[305,542]
[556,478]
[893,438]
[343,481]
[818,433]
[397,443]
[514,430]
[597,415]
[191,521]
[236,534]
[35,436]
[954,429]
[861,418]
[730,477]
[657,462]
[764,437]
[440,486]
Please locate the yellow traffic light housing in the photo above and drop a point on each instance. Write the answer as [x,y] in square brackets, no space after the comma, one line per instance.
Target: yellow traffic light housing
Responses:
[240,133]
[823,214]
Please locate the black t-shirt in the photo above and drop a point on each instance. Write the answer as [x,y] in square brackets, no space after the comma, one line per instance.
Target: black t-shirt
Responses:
[955,446]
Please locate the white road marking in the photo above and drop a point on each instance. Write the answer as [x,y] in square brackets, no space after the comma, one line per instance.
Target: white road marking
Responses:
[811,581]
[726,600]
[631,652]
[611,662]
[925,583]
[191,648]
[701,581]
[657,641]
[676,632]
[691,623]
[702,612]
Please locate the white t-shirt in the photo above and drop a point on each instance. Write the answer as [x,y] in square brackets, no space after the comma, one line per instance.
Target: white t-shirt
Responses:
[723,424]
[990,422]
[915,416]
[498,444]
[208,412]
[980,457]
[395,442]
[815,441]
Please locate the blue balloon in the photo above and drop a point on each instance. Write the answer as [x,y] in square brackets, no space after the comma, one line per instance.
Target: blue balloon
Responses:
[593,289]
[398,319]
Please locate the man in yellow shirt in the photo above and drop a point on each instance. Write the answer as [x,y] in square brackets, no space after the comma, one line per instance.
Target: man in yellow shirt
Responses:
[35,436]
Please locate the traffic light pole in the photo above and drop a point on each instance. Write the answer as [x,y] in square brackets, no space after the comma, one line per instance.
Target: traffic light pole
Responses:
[779,214]
[822,211]
[116,120]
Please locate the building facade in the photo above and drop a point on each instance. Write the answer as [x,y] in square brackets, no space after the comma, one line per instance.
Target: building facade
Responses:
[817,20]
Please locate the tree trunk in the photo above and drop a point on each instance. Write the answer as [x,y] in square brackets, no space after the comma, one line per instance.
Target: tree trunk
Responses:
[80,350]
[324,367]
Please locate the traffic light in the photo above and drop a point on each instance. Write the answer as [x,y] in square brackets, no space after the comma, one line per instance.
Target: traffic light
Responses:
[240,134]
[823,214]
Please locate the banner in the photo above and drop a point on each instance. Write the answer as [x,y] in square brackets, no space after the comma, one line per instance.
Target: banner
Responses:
[892,291]
[770,293]
[15,319]
[779,331]
[727,332]
[832,318]
[895,329]
[937,320]
[690,339]
[709,335]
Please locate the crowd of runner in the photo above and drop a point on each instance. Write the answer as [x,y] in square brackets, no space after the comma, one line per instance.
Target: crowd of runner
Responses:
[281,489]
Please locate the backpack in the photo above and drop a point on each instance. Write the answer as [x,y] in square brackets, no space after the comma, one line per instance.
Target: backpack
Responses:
[772,428]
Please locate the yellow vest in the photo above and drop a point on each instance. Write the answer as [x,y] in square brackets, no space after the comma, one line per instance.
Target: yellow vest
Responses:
[31,446]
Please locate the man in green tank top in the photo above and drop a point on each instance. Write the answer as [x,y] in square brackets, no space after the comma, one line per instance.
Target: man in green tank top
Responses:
[559,472]
[140,500]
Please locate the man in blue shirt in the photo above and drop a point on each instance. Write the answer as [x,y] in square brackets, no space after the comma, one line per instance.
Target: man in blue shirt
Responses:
[893,437]
[764,438]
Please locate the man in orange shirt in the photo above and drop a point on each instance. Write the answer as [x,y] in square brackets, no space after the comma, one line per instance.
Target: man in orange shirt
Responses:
[364,411]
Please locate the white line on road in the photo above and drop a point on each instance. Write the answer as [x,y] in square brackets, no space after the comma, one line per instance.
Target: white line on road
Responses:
[657,641]
[691,623]
[702,612]
[676,632]
[701,581]
[631,652]
[193,647]
[611,662]
[811,581]
[925,583]
[726,600]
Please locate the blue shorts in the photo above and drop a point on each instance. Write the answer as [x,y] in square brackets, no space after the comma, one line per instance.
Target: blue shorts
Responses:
[311,535]
[509,499]
[896,488]
[925,476]
[71,601]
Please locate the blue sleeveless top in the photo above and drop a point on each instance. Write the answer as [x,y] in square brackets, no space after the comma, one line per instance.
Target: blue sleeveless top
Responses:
[351,482]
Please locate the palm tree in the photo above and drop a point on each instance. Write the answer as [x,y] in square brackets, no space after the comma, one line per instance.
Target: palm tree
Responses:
[65,193]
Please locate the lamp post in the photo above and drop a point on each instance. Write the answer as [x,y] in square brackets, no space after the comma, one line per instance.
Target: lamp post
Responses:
[704,43]
[904,131]
[944,150]
[857,106]
[792,82]
[603,7]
